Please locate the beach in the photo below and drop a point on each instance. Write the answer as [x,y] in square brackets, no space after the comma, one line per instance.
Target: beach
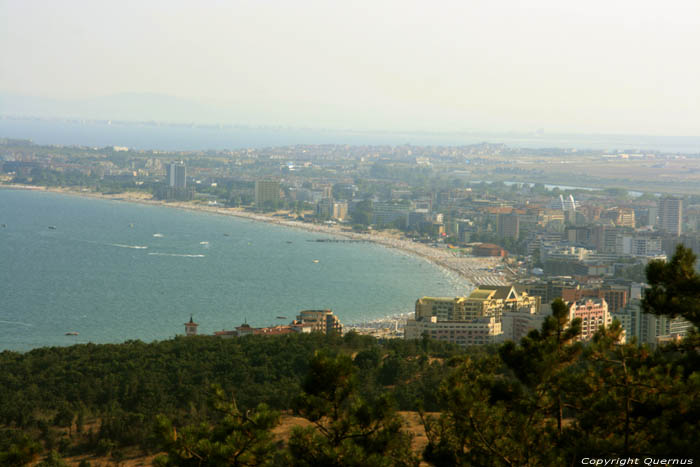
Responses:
[476,270]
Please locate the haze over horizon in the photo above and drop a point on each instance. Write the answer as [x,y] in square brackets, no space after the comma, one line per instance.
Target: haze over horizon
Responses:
[600,67]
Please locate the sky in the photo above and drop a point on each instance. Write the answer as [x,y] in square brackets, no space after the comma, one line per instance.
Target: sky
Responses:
[613,66]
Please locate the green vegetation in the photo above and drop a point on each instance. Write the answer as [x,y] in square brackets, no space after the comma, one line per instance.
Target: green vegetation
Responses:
[105,398]
[675,287]
[362,215]
[548,400]
[348,429]
[236,439]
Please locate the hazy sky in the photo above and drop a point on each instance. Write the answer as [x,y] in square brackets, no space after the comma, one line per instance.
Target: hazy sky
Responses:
[626,66]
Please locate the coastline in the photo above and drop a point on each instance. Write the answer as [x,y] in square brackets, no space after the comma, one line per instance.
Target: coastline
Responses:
[474,270]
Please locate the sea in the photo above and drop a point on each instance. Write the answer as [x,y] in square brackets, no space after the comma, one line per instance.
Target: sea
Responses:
[151,135]
[113,271]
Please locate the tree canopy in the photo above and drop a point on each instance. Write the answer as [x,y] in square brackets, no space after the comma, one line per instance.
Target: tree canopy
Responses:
[674,287]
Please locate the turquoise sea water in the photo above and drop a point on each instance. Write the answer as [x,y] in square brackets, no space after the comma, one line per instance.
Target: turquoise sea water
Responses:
[97,275]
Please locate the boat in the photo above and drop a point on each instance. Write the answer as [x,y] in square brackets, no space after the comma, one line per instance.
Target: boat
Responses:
[3,225]
[289,241]
[131,225]
[52,227]
[226,235]
[281,317]
[315,261]
[72,333]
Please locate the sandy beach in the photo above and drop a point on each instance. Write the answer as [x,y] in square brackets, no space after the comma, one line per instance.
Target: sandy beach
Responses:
[476,270]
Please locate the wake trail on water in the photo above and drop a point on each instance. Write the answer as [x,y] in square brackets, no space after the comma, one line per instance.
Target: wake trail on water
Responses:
[16,322]
[143,247]
[118,245]
[182,255]
[135,247]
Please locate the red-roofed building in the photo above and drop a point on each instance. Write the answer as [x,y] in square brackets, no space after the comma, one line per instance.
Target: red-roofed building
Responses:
[488,249]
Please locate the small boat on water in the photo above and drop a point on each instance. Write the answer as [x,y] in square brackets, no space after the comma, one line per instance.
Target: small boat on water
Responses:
[226,235]
[289,241]
[72,333]
[3,225]
[281,317]
[52,227]
[316,261]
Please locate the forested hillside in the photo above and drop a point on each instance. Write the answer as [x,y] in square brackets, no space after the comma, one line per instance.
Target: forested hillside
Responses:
[547,400]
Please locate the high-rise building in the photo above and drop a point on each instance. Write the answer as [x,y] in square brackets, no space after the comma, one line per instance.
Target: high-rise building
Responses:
[508,226]
[671,215]
[177,175]
[266,190]
[328,208]
[340,210]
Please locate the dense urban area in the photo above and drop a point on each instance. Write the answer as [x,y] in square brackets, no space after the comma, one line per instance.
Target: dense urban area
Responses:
[577,339]
[586,245]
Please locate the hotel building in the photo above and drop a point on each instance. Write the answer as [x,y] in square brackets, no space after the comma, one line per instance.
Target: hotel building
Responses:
[489,315]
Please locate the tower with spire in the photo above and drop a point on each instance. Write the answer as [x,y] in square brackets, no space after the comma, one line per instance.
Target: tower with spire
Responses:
[191,328]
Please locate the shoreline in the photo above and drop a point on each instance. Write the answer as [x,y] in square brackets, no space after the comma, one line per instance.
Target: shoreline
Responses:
[473,270]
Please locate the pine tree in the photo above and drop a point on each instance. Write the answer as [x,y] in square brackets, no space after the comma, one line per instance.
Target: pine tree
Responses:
[674,287]
[542,358]
[508,410]
[347,430]
[636,402]
[238,439]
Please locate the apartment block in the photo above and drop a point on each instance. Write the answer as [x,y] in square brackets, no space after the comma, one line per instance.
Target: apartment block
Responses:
[177,175]
[593,313]
[671,215]
[650,329]
[389,212]
[266,190]
[508,226]
[319,320]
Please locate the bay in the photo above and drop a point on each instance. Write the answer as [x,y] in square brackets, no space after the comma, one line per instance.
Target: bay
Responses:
[114,271]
